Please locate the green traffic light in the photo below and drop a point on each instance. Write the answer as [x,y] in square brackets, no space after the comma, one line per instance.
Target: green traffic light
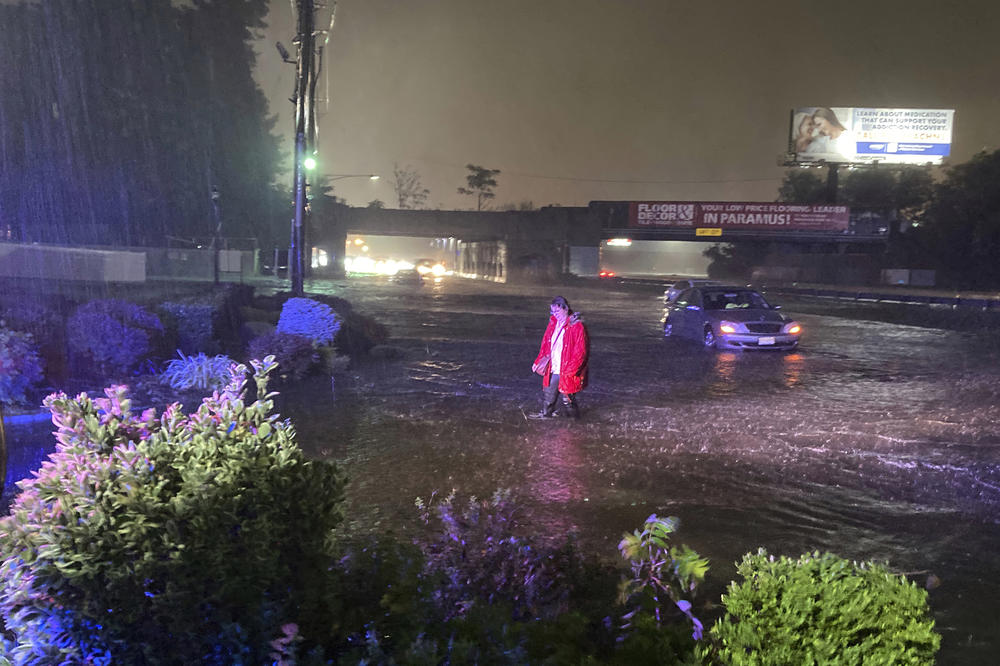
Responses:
[309,163]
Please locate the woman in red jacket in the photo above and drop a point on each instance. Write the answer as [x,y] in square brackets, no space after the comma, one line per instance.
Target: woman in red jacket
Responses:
[562,360]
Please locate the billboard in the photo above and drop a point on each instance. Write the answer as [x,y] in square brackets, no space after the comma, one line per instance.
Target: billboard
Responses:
[732,216]
[852,135]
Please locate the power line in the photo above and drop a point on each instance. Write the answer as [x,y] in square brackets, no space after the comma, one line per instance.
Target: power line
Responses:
[641,182]
[627,181]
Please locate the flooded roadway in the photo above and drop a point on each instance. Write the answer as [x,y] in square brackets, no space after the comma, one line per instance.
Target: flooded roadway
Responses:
[873,441]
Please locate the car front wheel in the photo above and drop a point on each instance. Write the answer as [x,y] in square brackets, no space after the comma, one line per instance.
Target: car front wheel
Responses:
[709,338]
[668,329]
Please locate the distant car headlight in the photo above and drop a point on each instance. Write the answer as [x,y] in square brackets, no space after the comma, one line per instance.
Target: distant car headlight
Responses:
[792,328]
[729,327]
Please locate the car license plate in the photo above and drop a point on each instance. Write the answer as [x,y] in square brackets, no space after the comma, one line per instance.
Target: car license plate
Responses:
[765,341]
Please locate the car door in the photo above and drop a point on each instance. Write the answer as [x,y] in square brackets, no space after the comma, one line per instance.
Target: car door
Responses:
[683,312]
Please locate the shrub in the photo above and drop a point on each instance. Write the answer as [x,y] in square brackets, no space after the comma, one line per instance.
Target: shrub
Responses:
[179,539]
[480,557]
[657,624]
[43,320]
[294,354]
[199,372]
[20,365]
[822,609]
[192,325]
[499,596]
[359,334]
[312,319]
[661,575]
[115,334]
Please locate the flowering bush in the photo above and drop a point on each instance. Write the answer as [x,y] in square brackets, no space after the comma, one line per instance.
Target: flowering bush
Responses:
[822,609]
[20,365]
[304,316]
[183,538]
[199,372]
[115,334]
[294,354]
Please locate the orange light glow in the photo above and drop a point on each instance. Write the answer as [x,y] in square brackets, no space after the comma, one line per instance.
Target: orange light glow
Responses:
[727,328]
[795,330]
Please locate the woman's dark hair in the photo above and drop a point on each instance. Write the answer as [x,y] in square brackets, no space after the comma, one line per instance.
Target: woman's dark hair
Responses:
[561,302]
[828,115]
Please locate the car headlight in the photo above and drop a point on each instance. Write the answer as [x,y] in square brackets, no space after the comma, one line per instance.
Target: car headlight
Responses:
[792,328]
[729,327]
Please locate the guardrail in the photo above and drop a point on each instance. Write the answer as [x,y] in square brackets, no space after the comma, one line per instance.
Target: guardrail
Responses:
[909,298]
[861,294]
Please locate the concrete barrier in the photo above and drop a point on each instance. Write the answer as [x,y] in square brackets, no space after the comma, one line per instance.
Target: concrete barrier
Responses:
[52,262]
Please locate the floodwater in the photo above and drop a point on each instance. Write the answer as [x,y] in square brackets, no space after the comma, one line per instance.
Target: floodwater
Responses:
[873,441]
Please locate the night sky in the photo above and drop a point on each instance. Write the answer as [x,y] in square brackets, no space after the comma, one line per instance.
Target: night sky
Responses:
[580,100]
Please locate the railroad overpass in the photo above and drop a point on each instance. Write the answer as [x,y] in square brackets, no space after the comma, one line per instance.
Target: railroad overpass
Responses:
[545,243]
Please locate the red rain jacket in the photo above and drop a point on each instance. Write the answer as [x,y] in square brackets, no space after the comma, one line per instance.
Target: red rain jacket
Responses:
[576,349]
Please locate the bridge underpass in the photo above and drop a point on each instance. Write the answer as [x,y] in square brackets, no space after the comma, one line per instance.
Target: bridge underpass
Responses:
[504,246]
[528,246]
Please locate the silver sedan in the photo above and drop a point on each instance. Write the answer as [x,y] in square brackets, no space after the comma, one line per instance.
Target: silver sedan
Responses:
[730,318]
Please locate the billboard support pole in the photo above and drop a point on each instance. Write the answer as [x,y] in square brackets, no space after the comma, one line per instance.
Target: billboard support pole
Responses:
[831,182]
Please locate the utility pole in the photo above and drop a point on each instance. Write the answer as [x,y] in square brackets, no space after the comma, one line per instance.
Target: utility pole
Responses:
[305,135]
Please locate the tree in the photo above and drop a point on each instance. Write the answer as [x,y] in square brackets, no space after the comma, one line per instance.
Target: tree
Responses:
[376,203]
[481,182]
[127,150]
[410,191]
[960,230]
[802,187]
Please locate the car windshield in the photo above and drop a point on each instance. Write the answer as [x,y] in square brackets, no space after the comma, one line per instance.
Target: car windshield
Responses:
[734,299]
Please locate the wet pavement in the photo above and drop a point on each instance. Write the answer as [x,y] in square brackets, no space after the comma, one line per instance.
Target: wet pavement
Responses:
[873,441]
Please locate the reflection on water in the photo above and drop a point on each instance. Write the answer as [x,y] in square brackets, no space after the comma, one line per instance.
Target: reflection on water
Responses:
[556,464]
[731,372]
[794,365]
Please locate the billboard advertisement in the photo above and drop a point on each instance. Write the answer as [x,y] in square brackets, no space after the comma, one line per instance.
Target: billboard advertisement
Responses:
[733,216]
[852,135]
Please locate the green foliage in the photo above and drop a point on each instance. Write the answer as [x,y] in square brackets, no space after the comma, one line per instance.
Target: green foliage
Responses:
[359,333]
[20,365]
[113,335]
[662,575]
[735,261]
[192,324]
[173,539]
[960,234]
[295,354]
[803,187]
[479,552]
[170,125]
[481,182]
[822,609]
[200,372]
[310,318]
